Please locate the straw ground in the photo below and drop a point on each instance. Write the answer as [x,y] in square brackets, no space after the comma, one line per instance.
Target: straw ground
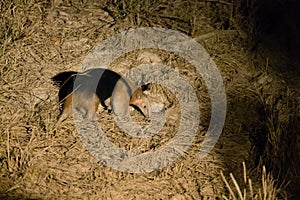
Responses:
[42,38]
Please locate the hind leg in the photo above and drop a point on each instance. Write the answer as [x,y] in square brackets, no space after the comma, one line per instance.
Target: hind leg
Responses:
[67,110]
[92,107]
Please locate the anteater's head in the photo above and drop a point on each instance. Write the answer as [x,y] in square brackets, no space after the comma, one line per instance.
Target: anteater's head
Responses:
[140,100]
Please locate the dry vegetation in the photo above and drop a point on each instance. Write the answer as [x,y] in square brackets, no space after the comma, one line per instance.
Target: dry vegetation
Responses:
[39,39]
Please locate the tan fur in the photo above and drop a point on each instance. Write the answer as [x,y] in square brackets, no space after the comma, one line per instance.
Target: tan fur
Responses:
[87,105]
[121,99]
[123,95]
[140,99]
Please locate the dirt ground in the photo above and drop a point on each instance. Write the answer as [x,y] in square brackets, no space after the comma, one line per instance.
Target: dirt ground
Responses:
[40,39]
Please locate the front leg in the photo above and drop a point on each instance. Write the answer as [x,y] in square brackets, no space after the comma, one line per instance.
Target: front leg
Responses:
[107,103]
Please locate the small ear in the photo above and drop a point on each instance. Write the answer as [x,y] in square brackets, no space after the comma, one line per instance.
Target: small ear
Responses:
[138,94]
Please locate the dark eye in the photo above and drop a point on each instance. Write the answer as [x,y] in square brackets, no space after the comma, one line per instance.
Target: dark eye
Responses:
[145,106]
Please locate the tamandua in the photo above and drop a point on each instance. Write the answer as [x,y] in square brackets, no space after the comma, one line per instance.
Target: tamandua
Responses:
[84,91]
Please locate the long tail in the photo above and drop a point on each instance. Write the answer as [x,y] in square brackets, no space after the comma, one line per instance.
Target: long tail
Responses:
[64,81]
[61,78]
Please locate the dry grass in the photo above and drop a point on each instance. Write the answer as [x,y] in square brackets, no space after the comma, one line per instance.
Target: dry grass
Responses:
[268,189]
[38,39]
